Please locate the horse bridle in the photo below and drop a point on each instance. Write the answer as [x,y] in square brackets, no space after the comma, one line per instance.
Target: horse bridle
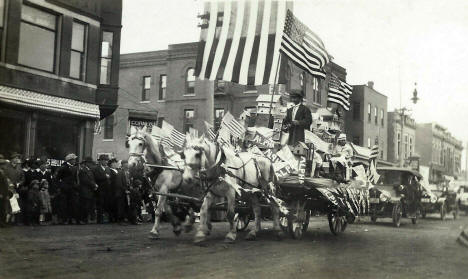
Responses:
[138,154]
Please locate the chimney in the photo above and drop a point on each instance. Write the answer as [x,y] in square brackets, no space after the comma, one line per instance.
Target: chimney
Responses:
[370,84]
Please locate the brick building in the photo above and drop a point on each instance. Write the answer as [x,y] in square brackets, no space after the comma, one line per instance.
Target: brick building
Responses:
[439,150]
[58,74]
[366,121]
[398,142]
[159,85]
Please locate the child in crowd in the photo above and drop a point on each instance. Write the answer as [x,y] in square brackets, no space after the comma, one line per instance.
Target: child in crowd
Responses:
[34,203]
[46,208]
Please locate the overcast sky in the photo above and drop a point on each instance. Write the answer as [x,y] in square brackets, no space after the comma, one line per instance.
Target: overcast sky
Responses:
[393,43]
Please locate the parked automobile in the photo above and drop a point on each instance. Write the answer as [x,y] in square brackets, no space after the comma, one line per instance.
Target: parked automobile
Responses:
[397,194]
[432,201]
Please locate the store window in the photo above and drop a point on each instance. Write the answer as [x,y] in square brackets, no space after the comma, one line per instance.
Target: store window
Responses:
[37,40]
[162,87]
[145,94]
[12,141]
[109,127]
[78,51]
[106,57]
[55,145]
[189,114]
[190,81]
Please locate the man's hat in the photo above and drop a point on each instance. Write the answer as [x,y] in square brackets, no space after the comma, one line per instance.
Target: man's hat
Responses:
[296,93]
[111,161]
[70,156]
[88,160]
[342,137]
[103,157]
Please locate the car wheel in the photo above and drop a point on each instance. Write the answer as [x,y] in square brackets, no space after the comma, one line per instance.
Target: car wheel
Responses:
[396,214]
[442,211]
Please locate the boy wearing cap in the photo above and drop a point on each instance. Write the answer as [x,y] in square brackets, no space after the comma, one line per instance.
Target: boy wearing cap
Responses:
[298,118]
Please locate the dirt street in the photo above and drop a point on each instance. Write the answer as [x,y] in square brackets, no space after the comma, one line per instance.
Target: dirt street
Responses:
[365,250]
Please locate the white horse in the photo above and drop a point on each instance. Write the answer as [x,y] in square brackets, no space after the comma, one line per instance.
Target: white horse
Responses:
[211,159]
[144,149]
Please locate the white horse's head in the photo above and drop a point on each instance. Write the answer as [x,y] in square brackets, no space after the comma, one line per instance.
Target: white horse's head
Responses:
[194,157]
[136,143]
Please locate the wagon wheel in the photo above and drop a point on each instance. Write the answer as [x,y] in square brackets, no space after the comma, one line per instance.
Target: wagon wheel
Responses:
[336,223]
[299,221]
[241,221]
[442,211]
[396,214]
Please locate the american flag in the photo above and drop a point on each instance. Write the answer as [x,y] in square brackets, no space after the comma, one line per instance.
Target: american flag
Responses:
[372,175]
[210,131]
[303,46]
[235,128]
[240,40]
[174,138]
[339,92]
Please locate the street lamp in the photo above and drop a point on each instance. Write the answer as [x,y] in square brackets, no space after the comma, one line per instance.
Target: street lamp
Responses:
[402,115]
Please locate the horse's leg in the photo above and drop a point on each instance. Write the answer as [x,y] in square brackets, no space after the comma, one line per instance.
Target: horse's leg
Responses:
[176,228]
[252,235]
[231,196]
[202,230]
[189,221]
[158,211]
[276,226]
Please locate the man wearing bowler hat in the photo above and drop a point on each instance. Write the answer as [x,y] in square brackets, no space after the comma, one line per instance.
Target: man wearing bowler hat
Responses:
[88,187]
[68,190]
[102,175]
[298,118]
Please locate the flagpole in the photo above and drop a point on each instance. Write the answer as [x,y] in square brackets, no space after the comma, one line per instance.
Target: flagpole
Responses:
[274,90]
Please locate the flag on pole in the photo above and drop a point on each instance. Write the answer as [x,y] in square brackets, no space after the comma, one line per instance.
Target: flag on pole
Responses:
[210,130]
[235,128]
[174,138]
[303,46]
[372,173]
[339,92]
[240,41]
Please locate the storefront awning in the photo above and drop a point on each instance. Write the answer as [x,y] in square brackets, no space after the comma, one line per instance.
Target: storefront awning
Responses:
[41,101]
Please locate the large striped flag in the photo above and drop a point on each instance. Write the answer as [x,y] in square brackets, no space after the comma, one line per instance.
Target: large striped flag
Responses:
[303,46]
[235,128]
[174,138]
[339,92]
[210,130]
[372,173]
[240,40]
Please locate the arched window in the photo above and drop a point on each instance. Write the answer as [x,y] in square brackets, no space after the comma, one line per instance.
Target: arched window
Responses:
[302,82]
[190,81]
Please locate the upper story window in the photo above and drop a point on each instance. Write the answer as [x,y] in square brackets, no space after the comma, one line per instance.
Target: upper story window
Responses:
[162,87]
[189,114]
[368,142]
[190,81]
[2,12]
[106,57]
[219,114]
[145,93]
[37,40]
[382,117]
[369,112]
[251,78]
[411,146]
[356,111]
[109,127]
[220,85]
[78,51]
[303,81]
[316,96]
[287,77]
[375,115]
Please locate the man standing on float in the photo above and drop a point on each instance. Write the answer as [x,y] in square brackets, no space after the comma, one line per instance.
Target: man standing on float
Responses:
[298,118]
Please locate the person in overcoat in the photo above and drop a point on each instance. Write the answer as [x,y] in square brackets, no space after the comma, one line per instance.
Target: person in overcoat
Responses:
[88,187]
[102,175]
[119,190]
[298,118]
[66,178]
[4,185]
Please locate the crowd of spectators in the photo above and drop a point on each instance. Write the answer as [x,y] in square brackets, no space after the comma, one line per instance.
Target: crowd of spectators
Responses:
[32,193]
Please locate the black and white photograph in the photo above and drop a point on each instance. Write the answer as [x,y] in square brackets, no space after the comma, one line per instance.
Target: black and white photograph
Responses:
[234,139]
